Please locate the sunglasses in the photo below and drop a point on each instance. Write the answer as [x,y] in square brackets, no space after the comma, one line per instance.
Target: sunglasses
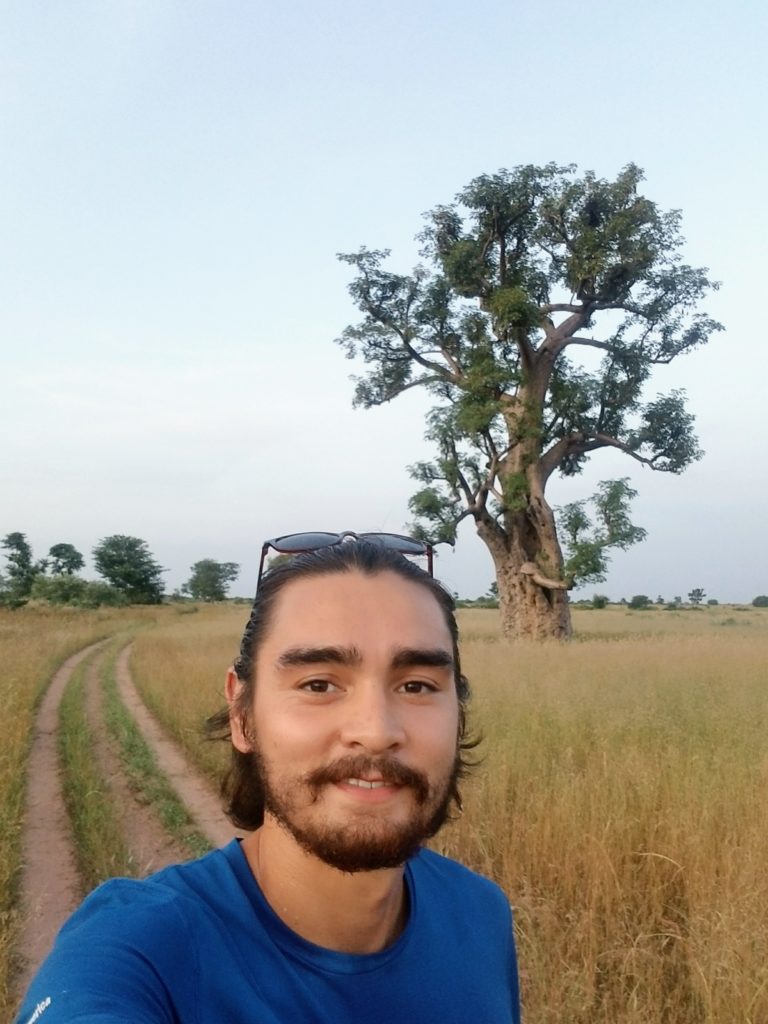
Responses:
[303,543]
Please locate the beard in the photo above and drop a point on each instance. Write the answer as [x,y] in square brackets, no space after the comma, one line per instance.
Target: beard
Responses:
[367,841]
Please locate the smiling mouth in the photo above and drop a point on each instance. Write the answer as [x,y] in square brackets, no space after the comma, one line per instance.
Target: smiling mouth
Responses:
[365,784]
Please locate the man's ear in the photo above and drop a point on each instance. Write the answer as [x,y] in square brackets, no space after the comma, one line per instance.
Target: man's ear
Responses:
[233,689]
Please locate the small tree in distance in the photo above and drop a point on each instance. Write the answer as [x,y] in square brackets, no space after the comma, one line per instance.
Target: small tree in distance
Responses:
[528,271]
[761,601]
[21,570]
[128,565]
[696,596]
[64,560]
[210,580]
[640,601]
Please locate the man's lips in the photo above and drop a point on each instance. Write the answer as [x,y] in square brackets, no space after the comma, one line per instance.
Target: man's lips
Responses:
[370,783]
[369,774]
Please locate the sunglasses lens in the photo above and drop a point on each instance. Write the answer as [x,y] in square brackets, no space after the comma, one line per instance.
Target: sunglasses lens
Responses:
[406,545]
[296,542]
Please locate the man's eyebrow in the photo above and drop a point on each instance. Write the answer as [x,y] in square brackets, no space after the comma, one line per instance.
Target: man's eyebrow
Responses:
[405,657]
[319,655]
[435,657]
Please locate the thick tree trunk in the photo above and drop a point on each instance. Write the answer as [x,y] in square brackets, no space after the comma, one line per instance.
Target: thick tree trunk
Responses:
[528,610]
[533,596]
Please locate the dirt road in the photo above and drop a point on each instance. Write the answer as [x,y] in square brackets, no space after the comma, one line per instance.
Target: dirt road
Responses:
[51,886]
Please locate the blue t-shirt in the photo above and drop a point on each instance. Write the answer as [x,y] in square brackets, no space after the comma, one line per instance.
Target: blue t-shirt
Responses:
[199,944]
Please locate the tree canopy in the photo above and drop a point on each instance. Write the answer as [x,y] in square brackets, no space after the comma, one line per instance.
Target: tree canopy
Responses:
[545,302]
[210,580]
[126,563]
[21,569]
[64,560]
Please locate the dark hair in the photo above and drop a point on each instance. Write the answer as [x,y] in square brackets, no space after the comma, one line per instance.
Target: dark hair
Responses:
[242,786]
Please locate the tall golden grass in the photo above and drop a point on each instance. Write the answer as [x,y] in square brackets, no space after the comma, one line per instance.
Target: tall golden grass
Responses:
[620,801]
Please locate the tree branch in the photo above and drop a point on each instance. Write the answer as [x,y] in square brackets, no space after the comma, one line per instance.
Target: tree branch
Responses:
[591,342]
[606,441]
[530,569]
[579,444]
[561,307]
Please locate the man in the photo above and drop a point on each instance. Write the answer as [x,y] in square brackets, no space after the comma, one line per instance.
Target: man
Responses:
[346,715]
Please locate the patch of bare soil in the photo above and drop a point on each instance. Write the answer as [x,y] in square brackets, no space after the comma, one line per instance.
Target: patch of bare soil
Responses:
[51,887]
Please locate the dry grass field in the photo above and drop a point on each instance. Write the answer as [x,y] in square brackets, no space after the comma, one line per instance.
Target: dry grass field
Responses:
[620,800]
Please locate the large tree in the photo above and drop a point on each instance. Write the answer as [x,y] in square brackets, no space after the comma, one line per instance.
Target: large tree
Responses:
[528,274]
[126,563]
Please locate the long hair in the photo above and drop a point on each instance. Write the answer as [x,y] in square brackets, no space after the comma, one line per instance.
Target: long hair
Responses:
[242,787]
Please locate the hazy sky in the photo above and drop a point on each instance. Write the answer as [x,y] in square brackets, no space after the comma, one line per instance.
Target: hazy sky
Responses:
[177,178]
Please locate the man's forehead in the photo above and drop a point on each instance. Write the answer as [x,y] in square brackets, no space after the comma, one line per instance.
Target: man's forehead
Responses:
[336,607]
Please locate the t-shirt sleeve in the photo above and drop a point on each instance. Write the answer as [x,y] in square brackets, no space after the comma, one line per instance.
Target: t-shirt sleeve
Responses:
[115,961]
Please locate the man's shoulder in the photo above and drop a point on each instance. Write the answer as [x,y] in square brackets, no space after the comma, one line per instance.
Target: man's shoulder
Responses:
[167,899]
[451,878]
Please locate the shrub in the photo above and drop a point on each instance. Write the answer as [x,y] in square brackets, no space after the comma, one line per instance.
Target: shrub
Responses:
[761,601]
[640,601]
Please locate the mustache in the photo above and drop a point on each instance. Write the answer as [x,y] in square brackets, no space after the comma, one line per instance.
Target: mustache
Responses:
[388,769]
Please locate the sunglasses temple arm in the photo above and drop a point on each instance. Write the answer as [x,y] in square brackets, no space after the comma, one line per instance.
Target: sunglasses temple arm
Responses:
[264,549]
[429,559]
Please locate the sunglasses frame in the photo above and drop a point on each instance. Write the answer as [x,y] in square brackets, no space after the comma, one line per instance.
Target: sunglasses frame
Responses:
[341,538]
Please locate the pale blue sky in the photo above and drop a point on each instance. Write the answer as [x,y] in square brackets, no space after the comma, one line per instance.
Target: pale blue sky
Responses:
[177,178]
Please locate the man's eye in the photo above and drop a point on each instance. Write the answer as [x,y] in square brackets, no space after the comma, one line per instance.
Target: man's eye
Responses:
[318,686]
[417,687]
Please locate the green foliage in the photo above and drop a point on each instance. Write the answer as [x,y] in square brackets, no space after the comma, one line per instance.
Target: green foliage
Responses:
[210,580]
[20,569]
[525,270]
[74,590]
[64,560]
[59,589]
[639,601]
[712,602]
[127,564]
[599,601]
[587,537]
[761,601]
[696,596]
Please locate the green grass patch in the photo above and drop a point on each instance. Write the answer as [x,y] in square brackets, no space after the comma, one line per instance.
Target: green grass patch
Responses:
[99,845]
[144,776]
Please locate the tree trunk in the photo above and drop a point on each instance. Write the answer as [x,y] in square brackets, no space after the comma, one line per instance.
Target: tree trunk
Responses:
[528,610]
[527,557]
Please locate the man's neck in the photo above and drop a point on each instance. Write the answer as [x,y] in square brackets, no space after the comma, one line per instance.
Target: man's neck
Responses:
[349,913]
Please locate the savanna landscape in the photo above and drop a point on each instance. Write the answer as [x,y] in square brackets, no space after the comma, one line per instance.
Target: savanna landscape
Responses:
[619,797]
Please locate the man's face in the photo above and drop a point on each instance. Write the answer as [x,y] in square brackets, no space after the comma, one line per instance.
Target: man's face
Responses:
[355,717]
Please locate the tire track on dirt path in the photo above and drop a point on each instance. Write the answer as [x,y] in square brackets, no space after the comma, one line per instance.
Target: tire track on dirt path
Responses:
[201,802]
[149,845]
[50,883]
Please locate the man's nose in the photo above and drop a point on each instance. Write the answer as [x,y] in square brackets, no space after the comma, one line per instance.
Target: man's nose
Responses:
[372,720]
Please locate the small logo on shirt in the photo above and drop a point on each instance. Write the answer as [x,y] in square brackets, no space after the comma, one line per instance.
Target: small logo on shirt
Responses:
[39,1010]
